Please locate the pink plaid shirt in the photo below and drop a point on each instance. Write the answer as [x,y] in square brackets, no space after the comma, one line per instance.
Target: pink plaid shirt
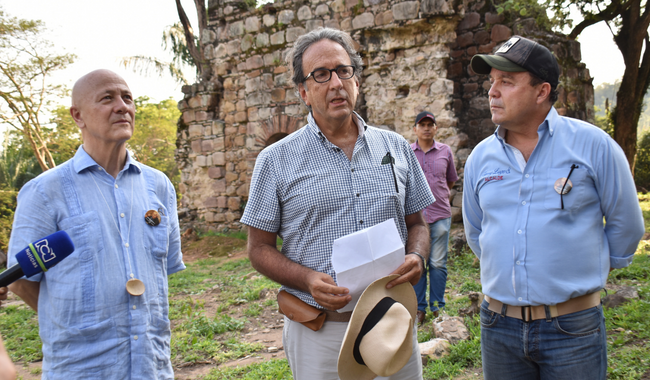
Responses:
[438,166]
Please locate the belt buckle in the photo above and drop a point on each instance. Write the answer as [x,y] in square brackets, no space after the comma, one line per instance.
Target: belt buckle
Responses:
[526,313]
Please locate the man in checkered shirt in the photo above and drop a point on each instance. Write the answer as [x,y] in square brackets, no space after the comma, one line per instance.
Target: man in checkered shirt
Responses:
[334,176]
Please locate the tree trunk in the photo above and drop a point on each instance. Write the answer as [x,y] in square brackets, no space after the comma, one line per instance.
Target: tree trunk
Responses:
[630,39]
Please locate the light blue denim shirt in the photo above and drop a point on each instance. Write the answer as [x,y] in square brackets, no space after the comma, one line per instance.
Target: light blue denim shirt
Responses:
[90,326]
[532,251]
[307,190]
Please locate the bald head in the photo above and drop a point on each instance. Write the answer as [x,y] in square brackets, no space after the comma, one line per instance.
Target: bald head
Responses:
[84,85]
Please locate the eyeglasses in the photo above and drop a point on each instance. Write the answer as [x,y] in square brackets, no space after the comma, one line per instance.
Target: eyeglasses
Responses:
[324,75]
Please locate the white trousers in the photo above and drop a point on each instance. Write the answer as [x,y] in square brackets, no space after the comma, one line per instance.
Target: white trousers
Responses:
[313,355]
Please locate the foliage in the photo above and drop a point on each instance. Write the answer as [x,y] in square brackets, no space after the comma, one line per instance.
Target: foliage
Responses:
[154,138]
[514,9]
[19,326]
[277,369]
[642,167]
[63,136]
[26,62]
[7,208]
[17,162]
[173,41]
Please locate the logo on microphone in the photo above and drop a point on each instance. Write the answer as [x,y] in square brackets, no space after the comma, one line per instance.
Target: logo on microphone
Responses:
[44,250]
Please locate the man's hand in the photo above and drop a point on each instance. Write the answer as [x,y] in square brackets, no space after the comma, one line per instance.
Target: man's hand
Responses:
[410,271]
[325,291]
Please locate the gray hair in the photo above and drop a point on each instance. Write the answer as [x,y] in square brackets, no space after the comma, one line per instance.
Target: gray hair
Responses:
[294,58]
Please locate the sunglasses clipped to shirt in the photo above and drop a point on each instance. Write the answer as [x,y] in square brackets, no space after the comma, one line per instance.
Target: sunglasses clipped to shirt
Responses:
[324,75]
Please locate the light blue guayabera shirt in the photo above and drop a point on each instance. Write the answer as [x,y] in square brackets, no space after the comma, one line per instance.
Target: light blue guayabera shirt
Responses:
[532,251]
[90,326]
[307,190]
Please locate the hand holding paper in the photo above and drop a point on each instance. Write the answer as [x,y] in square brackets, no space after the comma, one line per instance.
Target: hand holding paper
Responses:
[365,256]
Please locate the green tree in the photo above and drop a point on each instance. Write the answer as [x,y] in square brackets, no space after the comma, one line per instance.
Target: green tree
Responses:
[26,62]
[154,139]
[63,136]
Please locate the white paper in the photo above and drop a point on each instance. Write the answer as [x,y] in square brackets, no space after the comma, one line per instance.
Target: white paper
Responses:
[365,256]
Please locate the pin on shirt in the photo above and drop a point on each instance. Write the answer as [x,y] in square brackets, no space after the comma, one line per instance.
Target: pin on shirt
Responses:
[152,217]
[560,186]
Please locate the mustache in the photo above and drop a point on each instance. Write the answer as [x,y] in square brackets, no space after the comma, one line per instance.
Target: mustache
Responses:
[338,94]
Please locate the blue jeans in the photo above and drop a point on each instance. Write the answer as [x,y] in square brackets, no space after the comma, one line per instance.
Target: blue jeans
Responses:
[439,232]
[571,347]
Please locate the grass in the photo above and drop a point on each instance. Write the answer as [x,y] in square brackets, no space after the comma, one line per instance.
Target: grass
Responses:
[215,300]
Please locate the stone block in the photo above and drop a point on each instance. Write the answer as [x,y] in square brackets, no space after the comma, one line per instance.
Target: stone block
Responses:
[247,42]
[313,25]
[486,49]
[242,190]
[451,328]
[407,10]
[210,202]
[480,103]
[254,62]
[465,39]
[201,161]
[239,141]
[277,95]
[338,6]
[322,10]
[294,33]
[332,23]
[195,130]
[241,117]
[219,217]
[219,186]
[208,216]
[236,29]
[252,24]
[202,115]
[258,98]
[436,7]
[384,18]
[218,143]
[346,24]
[482,37]
[286,16]
[233,47]
[277,38]
[218,158]
[500,33]
[470,87]
[216,172]
[458,200]
[493,18]
[241,105]
[471,20]
[206,145]
[455,70]
[364,20]
[281,80]
[217,127]
[234,203]
[196,146]
[262,40]
[435,349]
[268,20]
[304,13]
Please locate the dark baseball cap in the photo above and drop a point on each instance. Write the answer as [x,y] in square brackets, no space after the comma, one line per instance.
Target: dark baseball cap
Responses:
[423,115]
[520,54]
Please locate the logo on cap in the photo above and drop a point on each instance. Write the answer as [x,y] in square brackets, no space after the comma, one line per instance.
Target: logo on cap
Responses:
[506,46]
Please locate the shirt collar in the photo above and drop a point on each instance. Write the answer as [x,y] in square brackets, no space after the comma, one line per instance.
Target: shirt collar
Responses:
[416,146]
[315,129]
[549,123]
[82,160]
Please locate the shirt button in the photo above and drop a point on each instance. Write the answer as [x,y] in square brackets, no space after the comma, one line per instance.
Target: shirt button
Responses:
[519,232]
[353,170]
[523,203]
[361,222]
[133,307]
[126,245]
[527,175]
[122,215]
[136,337]
[358,194]
[518,263]
[116,186]
[520,298]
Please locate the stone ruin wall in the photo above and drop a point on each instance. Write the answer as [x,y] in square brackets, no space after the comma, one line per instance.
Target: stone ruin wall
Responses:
[416,56]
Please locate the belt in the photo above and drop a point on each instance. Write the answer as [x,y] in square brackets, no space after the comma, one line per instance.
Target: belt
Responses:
[333,316]
[532,313]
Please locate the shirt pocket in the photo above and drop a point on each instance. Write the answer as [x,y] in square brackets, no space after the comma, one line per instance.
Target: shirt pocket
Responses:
[86,349]
[71,283]
[571,200]
[156,242]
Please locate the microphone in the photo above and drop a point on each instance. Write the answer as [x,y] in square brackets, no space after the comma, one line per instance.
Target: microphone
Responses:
[39,257]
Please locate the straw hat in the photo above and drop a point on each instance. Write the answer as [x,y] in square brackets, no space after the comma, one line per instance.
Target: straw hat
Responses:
[386,316]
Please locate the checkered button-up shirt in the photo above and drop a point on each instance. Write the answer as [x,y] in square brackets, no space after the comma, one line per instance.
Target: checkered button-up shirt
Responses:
[308,191]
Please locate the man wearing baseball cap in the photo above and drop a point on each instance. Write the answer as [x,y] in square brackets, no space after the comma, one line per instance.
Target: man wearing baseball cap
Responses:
[535,195]
[437,162]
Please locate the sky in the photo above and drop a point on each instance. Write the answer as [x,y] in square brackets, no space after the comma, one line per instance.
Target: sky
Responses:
[100,33]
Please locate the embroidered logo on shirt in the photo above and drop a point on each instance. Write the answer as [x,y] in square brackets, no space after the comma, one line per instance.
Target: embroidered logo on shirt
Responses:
[495,174]
[494,178]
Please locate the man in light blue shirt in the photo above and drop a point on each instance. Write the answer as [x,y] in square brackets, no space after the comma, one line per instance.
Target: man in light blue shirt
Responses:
[535,195]
[95,322]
